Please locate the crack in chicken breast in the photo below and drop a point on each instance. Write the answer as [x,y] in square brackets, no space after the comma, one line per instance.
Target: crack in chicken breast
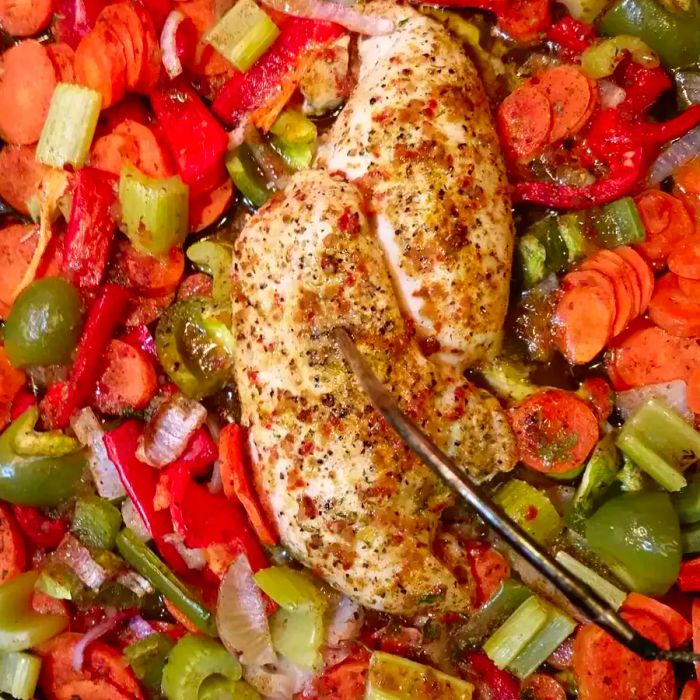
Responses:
[351,502]
[418,137]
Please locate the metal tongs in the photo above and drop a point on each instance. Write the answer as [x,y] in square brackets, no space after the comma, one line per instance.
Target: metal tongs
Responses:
[587,602]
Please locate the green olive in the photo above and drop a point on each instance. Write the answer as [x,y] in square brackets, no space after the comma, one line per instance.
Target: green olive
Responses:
[44,324]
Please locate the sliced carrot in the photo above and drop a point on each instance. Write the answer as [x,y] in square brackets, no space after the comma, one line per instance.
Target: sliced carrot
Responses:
[693,381]
[151,70]
[684,259]
[687,177]
[597,392]
[555,430]
[93,68]
[62,56]
[623,279]
[572,97]
[645,275]
[489,568]
[585,315]
[113,48]
[17,245]
[126,22]
[650,355]
[525,122]
[691,691]
[111,151]
[525,20]
[208,208]
[677,627]
[673,310]
[128,381]
[47,605]
[12,550]
[690,287]
[27,82]
[147,275]
[540,686]
[666,222]
[20,176]
[152,158]
[606,670]
[22,18]
[132,107]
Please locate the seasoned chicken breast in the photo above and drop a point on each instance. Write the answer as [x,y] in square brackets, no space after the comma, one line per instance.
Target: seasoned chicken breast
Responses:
[350,500]
[418,137]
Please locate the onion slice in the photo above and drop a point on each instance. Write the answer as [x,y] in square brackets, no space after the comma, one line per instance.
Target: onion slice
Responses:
[674,393]
[674,156]
[240,616]
[77,557]
[351,19]
[168,44]
[94,633]
[194,558]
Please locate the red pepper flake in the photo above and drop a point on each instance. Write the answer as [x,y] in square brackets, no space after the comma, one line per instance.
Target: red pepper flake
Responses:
[349,222]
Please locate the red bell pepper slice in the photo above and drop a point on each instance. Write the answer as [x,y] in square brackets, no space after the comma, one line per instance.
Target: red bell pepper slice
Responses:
[642,86]
[141,338]
[652,134]
[271,74]
[22,401]
[42,531]
[196,140]
[237,481]
[105,313]
[572,35]
[140,481]
[91,227]
[689,576]
[201,452]
[204,518]
[500,685]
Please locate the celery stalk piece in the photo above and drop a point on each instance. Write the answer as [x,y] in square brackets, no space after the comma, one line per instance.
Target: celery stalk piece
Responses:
[70,126]
[394,678]
[220,688]
[607,590]
[557,628]
[652,463]
[690,539]
[531,256]
[619,223]
[96,522]
[530,509]
[147,658]
[298,636]
[292,590]
[154,211]
[243,34]
[293,127]
[687,503]
[19,674]
[513,636]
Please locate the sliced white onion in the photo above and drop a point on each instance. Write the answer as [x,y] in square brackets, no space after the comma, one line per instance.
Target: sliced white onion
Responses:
[90,434]
[279,682]
[240,616]
[78,558]
[194,558]
[674,393]
[345,623]
[136,583]
[611,94]
[345,16]
[94,633]
[167,434]
[168,44]
[674,156]
[215,484]
[133,520]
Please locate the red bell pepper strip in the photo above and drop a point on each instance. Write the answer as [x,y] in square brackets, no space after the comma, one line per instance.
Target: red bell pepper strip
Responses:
[272,73]
[140,481]
[642,86]
[204,518]
[500,685]
[105,313]
[91,227]
[572,35]
[196,140]
[689,576]
[652,134]
[237,481]
[42,531]
[201,452]
[141,338]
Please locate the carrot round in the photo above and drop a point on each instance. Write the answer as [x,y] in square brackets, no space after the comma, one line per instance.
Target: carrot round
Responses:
[525,122]
[148,275]
[690,287]
[110,152]
[675,625]
[62,57]
[152,159]
[684,260]
[207,208]
[645,275]
[27,82]
[20,176]
[673,310]
[127,25]
[555,430]
[606,670]
[17,245]
[45,604]
[151,67]
[25,17]
[572,97]
[93,68]
[585,315]
[12,550]
[666,222]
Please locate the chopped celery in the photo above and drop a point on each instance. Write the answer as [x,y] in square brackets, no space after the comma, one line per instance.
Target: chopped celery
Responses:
[394,678]
[687,503]
[214,257]
[20,627]
[19,674]
[690,539]
[532,259]
[508,379]
[653,464]
[530,509]
[69,126]
[191,662]
[294,128]
[220,688]
[297,156]
[601,59]
[571,229]
[147,658]
[154,211]
[607,590]
[600,472]
[619,223]
[292,590]
[298,636]
[513,636]
[244,172]
[557,628]
[243,34]
[96,522]
[146,563]
[631,477]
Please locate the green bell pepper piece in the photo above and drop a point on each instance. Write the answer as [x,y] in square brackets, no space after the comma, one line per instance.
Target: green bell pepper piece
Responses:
[600,60]
[35,480]
[674,36]
[96,522]
[687,503]
[637,535]
[690,539]
[20,627]
[214,258]
[29,443]
[193,660]
[531,257]
[246,176]
[618,223]
[147,658]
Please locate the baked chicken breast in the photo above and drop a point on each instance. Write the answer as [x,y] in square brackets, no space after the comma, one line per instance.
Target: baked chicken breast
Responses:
[350,501]
[418,138]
